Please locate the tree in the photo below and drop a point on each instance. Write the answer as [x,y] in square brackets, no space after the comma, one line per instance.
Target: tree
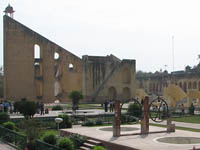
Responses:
[140,93]
[175,93]
[1,82]
[192,94]
[76,96]
[27,108]
[32,132]
[188,68]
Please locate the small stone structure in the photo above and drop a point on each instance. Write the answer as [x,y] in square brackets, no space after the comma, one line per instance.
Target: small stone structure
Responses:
[145,120]
[170,127]
[116,123]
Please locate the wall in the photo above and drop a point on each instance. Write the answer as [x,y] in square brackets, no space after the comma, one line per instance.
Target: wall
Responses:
[108,78]
[35,78]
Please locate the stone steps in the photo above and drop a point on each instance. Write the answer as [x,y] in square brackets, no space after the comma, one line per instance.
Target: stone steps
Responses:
[94,142]
[90,144]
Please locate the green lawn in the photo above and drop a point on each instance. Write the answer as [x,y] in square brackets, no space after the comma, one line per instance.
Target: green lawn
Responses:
[81,106]
[188,119]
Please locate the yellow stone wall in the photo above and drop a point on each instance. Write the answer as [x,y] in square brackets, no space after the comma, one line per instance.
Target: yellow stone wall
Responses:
[22,79]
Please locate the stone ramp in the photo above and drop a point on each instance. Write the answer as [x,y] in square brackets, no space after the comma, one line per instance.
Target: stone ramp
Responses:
[4,146]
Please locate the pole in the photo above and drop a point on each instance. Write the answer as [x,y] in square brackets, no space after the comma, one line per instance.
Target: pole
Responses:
[173,51]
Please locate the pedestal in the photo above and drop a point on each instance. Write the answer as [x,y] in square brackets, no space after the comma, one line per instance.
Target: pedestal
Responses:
[145,120]
[116,123]
[170,127]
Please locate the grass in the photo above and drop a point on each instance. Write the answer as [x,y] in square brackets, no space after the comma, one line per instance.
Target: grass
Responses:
[81,106]
[177,127]
[188,119]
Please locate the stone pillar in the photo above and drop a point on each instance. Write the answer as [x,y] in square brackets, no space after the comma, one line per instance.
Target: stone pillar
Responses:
[116,123]
[145,120]
[170,126]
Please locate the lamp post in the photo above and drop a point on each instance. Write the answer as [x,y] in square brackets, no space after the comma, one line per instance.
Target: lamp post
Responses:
[58,121]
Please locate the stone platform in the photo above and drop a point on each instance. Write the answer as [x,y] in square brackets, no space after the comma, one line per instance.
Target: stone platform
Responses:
[143,142]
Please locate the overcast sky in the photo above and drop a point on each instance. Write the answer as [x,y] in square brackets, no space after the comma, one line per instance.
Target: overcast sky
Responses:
[129,29]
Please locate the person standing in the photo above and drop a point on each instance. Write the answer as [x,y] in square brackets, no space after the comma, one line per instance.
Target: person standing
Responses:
[41,108]
[106,105]
[182,109]
[1,107]
[164,111]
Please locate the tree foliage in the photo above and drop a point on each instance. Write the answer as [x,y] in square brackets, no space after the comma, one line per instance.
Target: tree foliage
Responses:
[134,110]
[27,108]
[76,96]
[175,93]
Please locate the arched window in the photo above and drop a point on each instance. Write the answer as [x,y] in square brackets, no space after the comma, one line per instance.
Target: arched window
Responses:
[157,87]
[199,85]
[126,76]
[160,89]
[140,85]
[150,87]
[126,93]
[185,87]
[194,85]
[189,85]
[71,67]
[56,55]
[36,51]
[154,87]
[112,93]
[180,85]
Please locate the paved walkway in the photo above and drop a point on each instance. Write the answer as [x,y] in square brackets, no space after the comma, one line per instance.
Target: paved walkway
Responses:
[4,146]
[181,124]
[142,142]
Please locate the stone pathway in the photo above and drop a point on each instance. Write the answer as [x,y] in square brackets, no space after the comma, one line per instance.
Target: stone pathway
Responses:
[181,124]
[4,146]
[142,142]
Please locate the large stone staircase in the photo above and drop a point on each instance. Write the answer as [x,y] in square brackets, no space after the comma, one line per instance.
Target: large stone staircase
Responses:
[90,144]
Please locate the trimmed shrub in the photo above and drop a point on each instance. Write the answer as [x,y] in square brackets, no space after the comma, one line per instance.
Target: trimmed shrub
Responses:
[9,125]
[99,148]
[57,107]
[27,108]
[127,118]
[49,137]
[78,140]
[4,117]
[134,110]
[66,143]
[99,122]
[67,123]
[88,123]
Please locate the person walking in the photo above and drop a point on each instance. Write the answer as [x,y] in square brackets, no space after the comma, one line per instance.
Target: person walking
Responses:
[182,110]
